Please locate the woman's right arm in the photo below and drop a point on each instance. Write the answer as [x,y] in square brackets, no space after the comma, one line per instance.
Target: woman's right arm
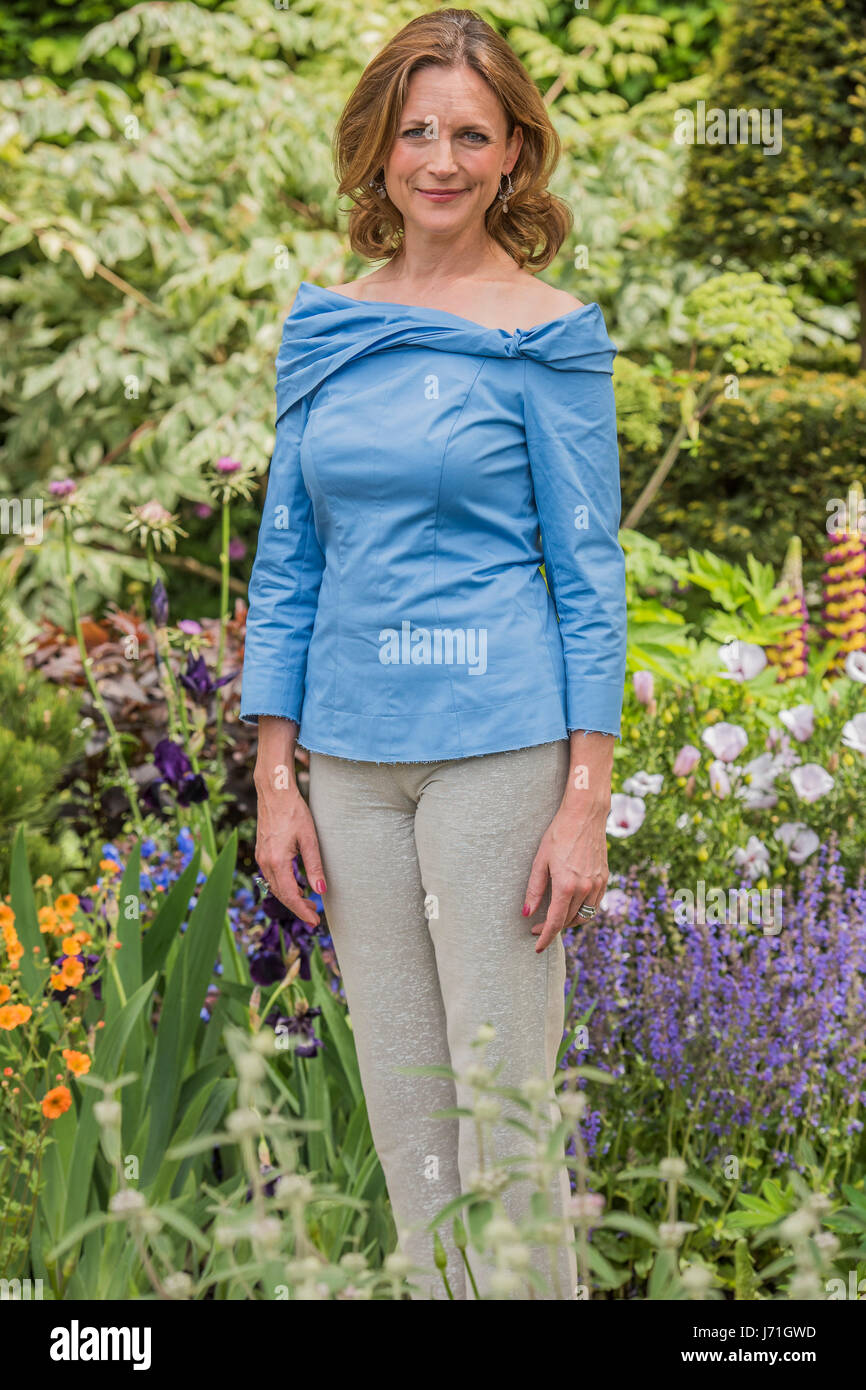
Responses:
[285,824]
[283,598]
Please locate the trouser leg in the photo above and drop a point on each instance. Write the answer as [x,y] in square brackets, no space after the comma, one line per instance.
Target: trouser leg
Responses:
[478,826]
[364,817]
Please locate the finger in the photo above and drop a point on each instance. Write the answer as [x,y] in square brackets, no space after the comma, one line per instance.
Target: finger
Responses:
[311,856]
[286,889]
[536,885]
[592,899]
[560,902]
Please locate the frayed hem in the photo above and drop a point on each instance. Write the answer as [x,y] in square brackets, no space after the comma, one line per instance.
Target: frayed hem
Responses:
[447,758]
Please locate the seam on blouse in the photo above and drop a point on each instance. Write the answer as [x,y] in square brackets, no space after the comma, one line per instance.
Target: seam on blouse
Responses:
[550,592]
[445,447]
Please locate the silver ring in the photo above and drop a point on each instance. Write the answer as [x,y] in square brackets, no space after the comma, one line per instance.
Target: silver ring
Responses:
[585,911]
[261,883]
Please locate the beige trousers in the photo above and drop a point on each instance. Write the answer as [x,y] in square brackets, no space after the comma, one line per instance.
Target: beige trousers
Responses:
[427,867]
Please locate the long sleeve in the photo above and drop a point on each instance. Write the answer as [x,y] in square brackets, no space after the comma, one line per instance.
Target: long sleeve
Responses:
[570,422]
[284,584]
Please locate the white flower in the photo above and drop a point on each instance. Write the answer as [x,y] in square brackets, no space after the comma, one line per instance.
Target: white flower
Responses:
[855,666]
[758,797]
[643,783]
[743,660]
[686,760]
[626,815]
[800,840]
[720,782]
[725,741]
[755,857]
[786,754]
[757,791]
[854,733]
[800,720]
[811,781]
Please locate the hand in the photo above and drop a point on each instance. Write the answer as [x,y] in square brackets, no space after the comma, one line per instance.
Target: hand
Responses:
[573,855]
[285,828]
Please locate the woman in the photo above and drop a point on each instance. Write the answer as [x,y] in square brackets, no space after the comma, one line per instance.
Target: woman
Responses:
[444,426]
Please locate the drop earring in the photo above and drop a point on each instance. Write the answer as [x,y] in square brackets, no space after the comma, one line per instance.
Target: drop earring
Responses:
[378,185]
[504,194]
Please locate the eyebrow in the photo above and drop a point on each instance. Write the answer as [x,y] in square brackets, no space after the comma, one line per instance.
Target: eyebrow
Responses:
[459,125]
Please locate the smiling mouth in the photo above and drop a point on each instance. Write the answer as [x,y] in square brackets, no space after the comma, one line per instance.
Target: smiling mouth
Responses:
[440,192]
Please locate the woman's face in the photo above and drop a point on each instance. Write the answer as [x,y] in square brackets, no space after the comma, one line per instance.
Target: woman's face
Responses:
[451,149]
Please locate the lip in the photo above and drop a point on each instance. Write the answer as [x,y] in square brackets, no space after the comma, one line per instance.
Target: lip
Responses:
[440,195]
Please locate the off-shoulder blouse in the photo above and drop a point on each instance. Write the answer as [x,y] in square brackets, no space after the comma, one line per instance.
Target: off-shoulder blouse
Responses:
[425,466]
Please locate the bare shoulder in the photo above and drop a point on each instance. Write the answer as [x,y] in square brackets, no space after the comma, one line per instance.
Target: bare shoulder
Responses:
[353,289]
[547,302]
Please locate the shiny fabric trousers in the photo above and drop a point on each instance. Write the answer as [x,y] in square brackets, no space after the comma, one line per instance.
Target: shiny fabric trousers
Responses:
[426,867]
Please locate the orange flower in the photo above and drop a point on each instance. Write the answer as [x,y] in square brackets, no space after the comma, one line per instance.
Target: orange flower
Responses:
[72,944]
[109,866]
[48,919]
[14,949]
[72,971]
[43,881]
[77,1062]
[7,917]
[66,904]
[13,1014]
[7,1071]
[58,982]
[5,993]
[56,1102]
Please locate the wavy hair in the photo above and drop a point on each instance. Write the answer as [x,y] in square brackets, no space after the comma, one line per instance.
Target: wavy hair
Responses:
[536,223]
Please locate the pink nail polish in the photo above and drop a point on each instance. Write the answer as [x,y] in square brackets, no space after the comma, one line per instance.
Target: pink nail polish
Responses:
[320,885]
[526,909]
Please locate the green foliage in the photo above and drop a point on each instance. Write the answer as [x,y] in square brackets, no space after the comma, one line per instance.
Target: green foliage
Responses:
[770,460]
[154,232]
[40,738]
[808,200]
[744,317]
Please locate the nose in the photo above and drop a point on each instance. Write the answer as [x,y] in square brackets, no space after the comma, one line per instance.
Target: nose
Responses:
[441,161]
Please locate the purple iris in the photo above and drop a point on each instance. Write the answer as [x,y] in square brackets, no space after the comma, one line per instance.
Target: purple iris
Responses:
[197,679]
[268,965]
[176,769]
[192,789]
[90,963]
[172,761]
[301,1027]
[159,604]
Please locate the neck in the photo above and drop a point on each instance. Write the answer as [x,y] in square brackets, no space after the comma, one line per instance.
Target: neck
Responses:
[428,265]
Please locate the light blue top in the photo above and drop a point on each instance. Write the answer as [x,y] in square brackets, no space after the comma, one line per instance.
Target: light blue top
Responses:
[424,467]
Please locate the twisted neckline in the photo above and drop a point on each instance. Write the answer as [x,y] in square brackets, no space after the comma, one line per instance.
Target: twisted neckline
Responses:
[445,313]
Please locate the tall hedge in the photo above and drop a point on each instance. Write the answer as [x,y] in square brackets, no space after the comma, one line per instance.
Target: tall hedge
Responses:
[807,60]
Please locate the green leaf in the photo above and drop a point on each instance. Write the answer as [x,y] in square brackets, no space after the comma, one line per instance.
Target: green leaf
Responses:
[163,930]
[191,971]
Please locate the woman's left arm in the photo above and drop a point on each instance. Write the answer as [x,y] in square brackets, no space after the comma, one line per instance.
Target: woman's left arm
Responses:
[570,418]
[573,849]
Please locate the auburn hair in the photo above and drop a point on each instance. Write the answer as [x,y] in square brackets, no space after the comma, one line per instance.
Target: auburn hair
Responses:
[536,223]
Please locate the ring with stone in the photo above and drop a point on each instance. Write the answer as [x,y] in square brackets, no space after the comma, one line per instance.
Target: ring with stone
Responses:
[262,884]
[586,911]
